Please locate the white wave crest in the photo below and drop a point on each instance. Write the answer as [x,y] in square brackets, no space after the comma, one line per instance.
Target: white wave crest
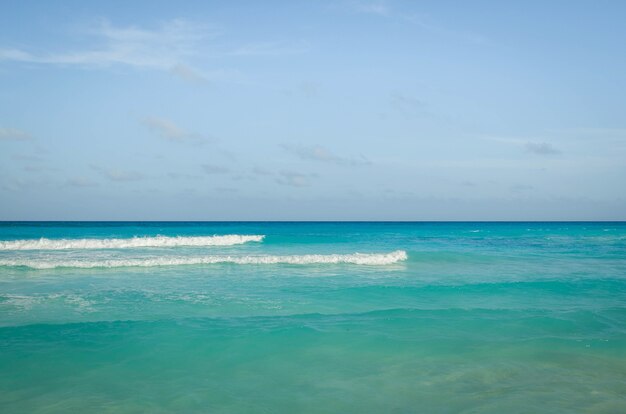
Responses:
[158,241]
[356,258]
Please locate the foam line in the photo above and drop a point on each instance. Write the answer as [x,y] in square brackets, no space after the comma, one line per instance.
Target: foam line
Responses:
[372,259]
[158,241]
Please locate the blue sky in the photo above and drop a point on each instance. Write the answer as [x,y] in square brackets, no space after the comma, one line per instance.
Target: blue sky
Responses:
[313,110]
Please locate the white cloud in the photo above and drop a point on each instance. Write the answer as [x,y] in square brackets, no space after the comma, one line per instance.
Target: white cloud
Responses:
[15,54]
[171,47]
[162,48]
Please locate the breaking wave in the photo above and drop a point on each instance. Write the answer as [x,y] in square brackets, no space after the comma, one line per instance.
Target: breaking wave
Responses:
[355,258]
[157,241]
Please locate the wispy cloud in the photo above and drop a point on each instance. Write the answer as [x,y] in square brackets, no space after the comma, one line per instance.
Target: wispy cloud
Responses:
[613,137]
[214,169]
[261,171]
[227,190]
[371,7]
[166,47]
[188,73]
[430,25]
[182,176]
[322,154]
[541,148]
[174,46]
[425,22]
[593,132]
[118,175]
[27,157]
[169,130]
[407,105]
[20,184]
[80,182]
[305,89]
[521,187]
[529,146]
[39,168]
[294,179]
[12,134]
[268,49]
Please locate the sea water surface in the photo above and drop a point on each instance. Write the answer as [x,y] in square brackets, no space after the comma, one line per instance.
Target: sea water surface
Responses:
[312,317]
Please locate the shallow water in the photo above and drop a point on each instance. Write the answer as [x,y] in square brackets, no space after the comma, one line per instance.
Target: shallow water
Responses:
[479,317]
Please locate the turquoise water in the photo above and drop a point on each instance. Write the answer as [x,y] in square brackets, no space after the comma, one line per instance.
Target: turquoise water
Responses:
[427,318]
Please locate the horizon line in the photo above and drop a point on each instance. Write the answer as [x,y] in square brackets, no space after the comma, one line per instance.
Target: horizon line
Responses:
[313,221]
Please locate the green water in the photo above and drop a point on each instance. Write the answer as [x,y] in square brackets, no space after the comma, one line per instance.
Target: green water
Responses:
[480,318]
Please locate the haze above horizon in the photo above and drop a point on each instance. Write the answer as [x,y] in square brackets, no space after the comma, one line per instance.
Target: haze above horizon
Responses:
[330,110]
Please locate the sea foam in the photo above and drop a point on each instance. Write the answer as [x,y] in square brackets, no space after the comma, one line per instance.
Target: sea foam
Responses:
[157,241]
[355,258]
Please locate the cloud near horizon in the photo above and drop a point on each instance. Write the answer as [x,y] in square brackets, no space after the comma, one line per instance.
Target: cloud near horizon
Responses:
[214,169]
[294,179]
[80,182]
[528,146]
[169,130]
[323,101]
[322,154]
[119,175]
[14,134]
[541,148]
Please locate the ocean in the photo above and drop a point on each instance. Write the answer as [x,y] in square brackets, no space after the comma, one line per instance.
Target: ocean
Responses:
[293,317]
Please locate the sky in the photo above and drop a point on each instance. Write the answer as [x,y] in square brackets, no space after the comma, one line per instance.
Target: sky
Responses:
[312,110]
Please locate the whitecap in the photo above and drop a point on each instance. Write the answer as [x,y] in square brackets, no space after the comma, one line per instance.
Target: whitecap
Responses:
[129,243]
[371,259]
